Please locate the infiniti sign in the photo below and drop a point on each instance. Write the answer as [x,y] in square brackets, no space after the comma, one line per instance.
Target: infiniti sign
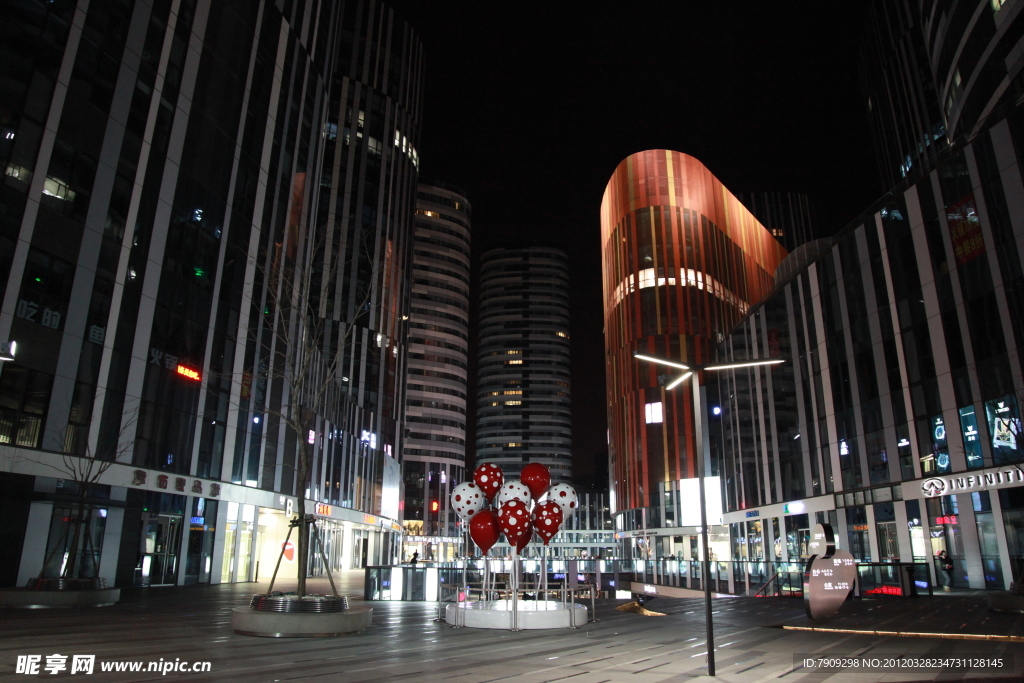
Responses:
[933,487]
[979,481]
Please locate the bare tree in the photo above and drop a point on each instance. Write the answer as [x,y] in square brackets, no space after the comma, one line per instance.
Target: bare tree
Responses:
[308,341]
[85,470]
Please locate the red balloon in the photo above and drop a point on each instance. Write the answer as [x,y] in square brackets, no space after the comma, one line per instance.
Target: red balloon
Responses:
[514,521]
[489,478]
[547,519]
[537,479]
[484,530]
[525,540]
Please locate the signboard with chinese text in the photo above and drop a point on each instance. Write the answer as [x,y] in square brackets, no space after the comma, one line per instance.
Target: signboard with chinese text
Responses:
[965,230]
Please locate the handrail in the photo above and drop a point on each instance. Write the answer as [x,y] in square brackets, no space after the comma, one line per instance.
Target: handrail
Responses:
[767,583]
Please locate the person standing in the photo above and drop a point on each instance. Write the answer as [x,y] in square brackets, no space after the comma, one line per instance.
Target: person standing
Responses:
[415,558]
[946,563]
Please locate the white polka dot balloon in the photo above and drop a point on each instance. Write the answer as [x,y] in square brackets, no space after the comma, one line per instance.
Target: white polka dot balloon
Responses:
[566,497]
[514,490]
[467,500]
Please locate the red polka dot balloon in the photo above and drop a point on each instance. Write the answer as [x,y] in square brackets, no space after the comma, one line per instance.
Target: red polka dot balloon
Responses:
[525,539]
[514,521]
[467,500]
[489,478]
[565,496]
[547,519]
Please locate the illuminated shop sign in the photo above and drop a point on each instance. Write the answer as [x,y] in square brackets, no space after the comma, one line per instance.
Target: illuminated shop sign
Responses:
[965,230]
[993,479]
[940,450]
[1004,426]
[795,508]
[947,519]
[972,440]
[323,509]
[753,513]
[190,373]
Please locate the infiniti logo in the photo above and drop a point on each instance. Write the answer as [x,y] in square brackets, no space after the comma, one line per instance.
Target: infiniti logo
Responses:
[933,487]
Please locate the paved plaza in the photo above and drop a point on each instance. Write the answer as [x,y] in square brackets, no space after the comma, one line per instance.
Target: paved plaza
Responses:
[405,642]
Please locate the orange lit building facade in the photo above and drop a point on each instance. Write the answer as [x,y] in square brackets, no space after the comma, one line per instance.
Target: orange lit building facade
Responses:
[683,261]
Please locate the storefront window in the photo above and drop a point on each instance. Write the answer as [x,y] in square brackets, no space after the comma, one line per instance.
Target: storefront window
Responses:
[857,531]
[230,531]
[1004,428]
[798,533]
[885,527]
[944,532]
[245,542]
[202,529]
[936,462]
[972,440]
[1012,503]
[987,539]
[755,540]
[74,544]
[919,545]
[905,452]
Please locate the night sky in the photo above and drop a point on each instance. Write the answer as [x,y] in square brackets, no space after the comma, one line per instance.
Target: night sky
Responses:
[531,106]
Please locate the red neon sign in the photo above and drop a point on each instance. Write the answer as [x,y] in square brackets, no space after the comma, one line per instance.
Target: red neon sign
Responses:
[885,590]
[951,519]
[189,373]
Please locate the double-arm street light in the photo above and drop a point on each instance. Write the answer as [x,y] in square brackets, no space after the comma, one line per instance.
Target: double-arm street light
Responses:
[692,369]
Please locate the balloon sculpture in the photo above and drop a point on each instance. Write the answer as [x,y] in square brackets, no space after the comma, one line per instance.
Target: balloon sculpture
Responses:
[521,507]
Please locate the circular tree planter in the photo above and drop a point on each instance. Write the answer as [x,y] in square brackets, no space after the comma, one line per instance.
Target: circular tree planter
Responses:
[289,616]
[1005,601]
[60,592]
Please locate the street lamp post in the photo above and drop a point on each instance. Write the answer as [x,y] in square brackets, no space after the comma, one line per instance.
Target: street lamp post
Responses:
[698,433]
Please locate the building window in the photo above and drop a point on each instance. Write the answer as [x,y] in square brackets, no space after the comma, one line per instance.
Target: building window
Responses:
[653,413]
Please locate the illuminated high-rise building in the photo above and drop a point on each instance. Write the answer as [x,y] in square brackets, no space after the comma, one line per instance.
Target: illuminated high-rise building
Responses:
[523,407]
[434,455]
[168,166]
[683,261]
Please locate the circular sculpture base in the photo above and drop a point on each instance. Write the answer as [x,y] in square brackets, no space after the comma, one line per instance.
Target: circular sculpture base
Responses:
[531,614]
[250,622]
[31,598]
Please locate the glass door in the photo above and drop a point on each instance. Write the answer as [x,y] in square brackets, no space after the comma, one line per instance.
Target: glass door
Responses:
[888,545]
[161,538]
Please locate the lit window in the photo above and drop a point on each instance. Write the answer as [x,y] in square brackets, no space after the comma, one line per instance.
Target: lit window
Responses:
[514,362]
[55,187]
[514,444]
[513,351]
[562,334]
[653,413]
[513,403]
[512,392]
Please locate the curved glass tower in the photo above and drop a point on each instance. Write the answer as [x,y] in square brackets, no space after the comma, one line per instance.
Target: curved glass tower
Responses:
[434,455]
[523,408]
[683,260]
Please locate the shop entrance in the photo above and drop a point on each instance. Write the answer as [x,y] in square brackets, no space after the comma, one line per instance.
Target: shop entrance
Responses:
[160,542]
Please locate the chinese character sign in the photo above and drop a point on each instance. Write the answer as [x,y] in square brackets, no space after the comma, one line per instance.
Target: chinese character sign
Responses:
[965,230]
